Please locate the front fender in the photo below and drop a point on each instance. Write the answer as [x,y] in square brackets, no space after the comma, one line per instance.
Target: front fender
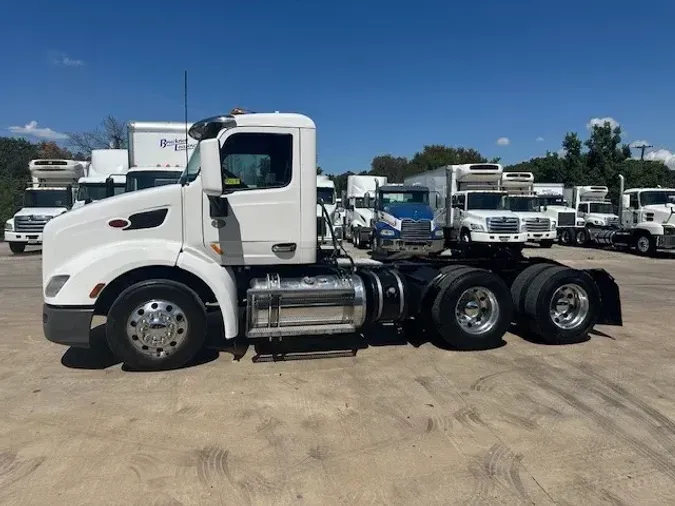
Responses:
[220,280]
[653,228]
[105,263]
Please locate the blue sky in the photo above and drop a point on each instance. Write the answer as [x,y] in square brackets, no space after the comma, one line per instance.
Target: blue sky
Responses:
[377,76]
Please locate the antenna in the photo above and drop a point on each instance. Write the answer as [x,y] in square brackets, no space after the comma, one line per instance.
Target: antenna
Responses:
[187,156]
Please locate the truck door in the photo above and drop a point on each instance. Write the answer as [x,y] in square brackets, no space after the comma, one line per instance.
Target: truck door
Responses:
[261,201]
[634,212]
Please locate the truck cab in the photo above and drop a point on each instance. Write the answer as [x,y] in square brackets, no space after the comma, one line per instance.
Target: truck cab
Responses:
[404,221]
[594,208]
[359,211]
[105,164]
[570,227]
[650,214]
[49,196]
[525,204]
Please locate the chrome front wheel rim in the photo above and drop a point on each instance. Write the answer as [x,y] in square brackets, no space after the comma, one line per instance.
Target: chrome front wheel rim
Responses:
[569,306]
[477,310]
[157,328]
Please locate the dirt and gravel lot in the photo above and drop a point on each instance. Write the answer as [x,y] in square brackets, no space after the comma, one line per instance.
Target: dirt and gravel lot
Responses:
[391,421]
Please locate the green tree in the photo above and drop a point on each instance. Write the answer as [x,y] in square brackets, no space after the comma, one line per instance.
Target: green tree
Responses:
[434,156]
[573,169]
[393,168]
[49,149]
[111,133]
[14,176]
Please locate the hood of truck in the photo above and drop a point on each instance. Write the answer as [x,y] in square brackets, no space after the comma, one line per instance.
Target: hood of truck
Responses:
[363,215]
[409,211]
[524,215]
[483,214]
[662,212]
[81,232]
[41,211]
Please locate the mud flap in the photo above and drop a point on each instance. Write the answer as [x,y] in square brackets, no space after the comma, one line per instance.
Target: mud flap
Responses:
[610,309]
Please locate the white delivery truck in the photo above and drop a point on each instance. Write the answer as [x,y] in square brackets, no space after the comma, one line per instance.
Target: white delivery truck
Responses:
[522,200]
[50,194]
[570,228]
[359,218]
[326,218]
[107,171]
[470,207]
[158,153]
[161,255]
[593,208]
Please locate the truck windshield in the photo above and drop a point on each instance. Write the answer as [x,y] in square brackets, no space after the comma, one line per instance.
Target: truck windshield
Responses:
[523,204]
[359,203]
[150,178]
[96,191]
[193,167]
[552,200]
[656,197]
[46,198]
[326,194]
[411,197]
[485,201]
[601,207]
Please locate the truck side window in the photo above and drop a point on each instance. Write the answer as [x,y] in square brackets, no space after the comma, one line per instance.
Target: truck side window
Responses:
[257,160]
[583,208]
[633,203]
[460,201]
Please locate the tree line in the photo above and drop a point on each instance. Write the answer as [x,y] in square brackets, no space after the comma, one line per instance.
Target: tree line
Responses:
[597,161]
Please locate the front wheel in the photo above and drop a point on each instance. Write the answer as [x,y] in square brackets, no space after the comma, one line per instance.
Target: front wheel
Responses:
[17,247]
[156,324]
[645,244]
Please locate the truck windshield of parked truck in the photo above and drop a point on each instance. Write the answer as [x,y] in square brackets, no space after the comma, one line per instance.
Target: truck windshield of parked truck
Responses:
[657,197]
[408,197]
[96,191]
[46,198]
[601,207]
[150,178]
[490,201]
[522,204]
[325,194]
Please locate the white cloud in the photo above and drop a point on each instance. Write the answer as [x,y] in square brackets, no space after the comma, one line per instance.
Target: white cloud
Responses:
[503,141]
[32,130]
[62,59]
[562,152]
[539,139]
[662,155]
[601,121]
[635,144]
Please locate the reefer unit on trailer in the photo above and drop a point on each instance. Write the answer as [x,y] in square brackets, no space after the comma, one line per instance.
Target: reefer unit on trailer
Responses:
[242,239]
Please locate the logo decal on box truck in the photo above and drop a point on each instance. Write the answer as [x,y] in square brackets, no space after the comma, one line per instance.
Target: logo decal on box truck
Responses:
[176,144]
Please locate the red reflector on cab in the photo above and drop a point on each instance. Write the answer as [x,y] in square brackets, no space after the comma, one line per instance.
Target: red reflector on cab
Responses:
[118,223]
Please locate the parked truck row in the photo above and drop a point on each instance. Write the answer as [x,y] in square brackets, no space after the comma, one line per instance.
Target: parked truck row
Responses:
[152,272]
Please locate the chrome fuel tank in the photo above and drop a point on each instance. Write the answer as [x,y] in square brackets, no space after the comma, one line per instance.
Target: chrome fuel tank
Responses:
[321,304]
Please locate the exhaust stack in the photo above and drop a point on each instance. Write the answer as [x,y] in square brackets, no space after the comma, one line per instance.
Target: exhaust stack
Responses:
[621,188]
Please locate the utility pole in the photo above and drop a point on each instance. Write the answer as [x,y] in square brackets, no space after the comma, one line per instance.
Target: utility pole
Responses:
[642,150]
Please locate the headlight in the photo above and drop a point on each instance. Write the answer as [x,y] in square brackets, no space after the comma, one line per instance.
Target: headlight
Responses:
[55,284]
[387,232]
[8,226]
[438,232]
[477,226]
[523,226]
[580,223]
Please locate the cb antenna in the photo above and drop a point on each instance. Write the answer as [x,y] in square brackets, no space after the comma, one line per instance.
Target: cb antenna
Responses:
[187,156]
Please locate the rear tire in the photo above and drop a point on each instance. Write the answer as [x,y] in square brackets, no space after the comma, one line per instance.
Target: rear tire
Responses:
[17,247]
[581,237]
[562,305]
[156,324]
[472,309]
[522,282]
[565,237]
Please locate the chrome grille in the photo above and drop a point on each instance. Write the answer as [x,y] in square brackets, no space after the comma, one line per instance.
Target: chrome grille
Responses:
[613,222]
[503,225]
[33,223]
[666,241]
[415,230]
[537,224]
[567,219]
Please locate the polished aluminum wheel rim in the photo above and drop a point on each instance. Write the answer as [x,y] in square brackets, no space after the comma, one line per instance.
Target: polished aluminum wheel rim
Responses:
[477,310]
[569,306]
[157,328]
[643,244]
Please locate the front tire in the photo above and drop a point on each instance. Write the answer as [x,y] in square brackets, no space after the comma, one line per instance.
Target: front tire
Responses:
[645,244]
[472,310]
[156,324]
[17,247]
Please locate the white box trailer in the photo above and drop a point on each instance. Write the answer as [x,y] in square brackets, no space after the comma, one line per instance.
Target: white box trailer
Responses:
[158,153]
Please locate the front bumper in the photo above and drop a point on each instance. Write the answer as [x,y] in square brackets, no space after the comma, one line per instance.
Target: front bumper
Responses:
[398,245]
[489,237]
[24,237]
[541,236]
[665,241]
[69,325]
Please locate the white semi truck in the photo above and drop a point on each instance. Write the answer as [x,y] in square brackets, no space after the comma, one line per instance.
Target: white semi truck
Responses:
[359,217]
[158,153]
[470,206]
[593,208]
[162,255]
[106,171]
[50,194]
[522,200]
[328,226]
[570,227]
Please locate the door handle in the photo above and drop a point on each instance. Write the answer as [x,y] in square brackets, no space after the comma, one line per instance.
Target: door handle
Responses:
[286,247]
